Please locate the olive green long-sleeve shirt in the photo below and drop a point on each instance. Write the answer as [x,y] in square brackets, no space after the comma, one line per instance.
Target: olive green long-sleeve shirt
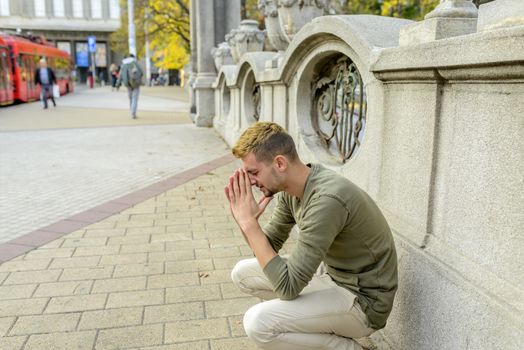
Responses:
[343,227]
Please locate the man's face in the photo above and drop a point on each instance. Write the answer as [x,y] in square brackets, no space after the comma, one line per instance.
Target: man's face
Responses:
[43,64]
[262,175]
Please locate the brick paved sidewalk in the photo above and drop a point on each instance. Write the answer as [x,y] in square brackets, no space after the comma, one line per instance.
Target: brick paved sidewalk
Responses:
[154,276]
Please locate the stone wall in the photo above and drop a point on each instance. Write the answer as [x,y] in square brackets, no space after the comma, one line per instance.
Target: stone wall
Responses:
[440,148]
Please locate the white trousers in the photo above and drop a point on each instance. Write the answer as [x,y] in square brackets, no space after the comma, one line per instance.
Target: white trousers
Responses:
[324,316]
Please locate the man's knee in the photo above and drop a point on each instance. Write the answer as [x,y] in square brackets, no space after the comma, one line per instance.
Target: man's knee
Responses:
[238,273]
[257,325]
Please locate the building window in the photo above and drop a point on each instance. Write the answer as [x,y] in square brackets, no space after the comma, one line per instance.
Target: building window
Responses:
[4,8]
[96,8]
[58,8]
[114,9]
[39,8]
[78,8]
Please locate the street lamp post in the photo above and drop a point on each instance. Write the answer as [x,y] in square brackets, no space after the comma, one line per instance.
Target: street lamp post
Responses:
[131,26]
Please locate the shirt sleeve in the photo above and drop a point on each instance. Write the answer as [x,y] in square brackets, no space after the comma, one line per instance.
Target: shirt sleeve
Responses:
[280,224]
[323,220]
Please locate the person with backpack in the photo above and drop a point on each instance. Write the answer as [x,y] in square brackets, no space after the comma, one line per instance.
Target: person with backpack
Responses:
[131,77]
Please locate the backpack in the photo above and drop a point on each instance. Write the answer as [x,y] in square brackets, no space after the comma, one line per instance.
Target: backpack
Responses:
[135,76]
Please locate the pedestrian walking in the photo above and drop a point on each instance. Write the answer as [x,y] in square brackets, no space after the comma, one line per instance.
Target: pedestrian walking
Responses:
[46,78]
[131,77]
[340,280]
[113,69]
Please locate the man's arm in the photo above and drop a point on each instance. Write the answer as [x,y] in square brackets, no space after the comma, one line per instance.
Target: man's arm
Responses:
[324,219]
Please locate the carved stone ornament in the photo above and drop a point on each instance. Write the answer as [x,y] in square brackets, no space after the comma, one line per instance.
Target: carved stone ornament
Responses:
[247,38]
[269,9]
[294,14]
[222,55]
[340,108]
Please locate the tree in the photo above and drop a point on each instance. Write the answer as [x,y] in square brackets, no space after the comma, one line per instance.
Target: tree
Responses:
[166,23]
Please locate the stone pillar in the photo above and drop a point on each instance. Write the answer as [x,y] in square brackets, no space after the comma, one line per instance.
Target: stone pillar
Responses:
[193,60]
[206,74]
[450,18]
[232,16]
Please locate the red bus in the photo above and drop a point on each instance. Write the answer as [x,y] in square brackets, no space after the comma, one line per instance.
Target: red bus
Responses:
[6,77]
[24,55]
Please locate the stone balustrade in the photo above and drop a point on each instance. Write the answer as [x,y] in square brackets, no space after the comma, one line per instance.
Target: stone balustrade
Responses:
[427,117]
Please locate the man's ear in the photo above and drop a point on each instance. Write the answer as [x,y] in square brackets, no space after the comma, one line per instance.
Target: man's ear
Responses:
[281,163]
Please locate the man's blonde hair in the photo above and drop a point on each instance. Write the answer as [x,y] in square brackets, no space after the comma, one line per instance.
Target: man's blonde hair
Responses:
[265,140]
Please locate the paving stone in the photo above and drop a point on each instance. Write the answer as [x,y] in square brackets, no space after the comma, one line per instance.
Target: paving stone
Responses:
[17,291]
[57,289]
[230,307]
[87,273]
[102,250]
[124,317]
[217,276]
[173,280]
[189,266]
[246,251]
[141,248]
[61,341]
[25,265]
[45,324]
[29,277]
[192,293]
[84,242]
[115,232]
[196,330]
[3,276]
[233,344]
[49,253]
[19,307]
[225,242]
[138,269]
[135,223]
[12,343]
[146,230]
[172,236]
[76,303]
[154,216]
[217,252]
[230,291]
[136,239]
[135,298]
[187,245]
[174,312]
[5,325]
[204,234]
[176,220]
[178,227]
[102,225]
[120,284]
[174,255]
[222,218]
[122,259]
[60,263]
[76,234]
[139,336]
[236,325]
[226,263]
[54,244]
[201,345]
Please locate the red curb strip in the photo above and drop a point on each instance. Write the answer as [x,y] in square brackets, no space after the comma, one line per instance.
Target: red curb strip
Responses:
[44,235]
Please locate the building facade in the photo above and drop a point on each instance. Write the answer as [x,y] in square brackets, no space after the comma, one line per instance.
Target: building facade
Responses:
[67,24]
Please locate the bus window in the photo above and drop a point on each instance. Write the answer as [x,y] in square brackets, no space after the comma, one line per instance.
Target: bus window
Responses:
[3,70]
